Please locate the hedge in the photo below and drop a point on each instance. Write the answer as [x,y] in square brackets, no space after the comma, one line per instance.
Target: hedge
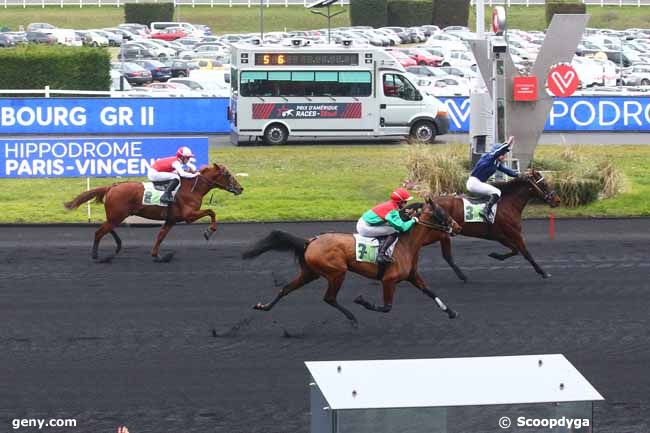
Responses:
[563,7]
[407,13]
[369,13]
[450,13]
[147,13]
[60,67]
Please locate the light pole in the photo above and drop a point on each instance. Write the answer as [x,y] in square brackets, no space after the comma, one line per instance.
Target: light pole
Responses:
[329,16]
[262,21]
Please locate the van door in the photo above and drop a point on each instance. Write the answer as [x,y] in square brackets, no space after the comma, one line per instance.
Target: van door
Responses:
[399,102]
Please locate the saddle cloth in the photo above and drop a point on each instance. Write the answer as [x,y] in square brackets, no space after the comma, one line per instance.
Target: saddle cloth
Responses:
[367,248]
[153,191]
[472,210]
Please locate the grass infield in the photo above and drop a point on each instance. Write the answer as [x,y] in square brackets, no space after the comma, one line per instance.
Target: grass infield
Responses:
[313,183]
[223,19]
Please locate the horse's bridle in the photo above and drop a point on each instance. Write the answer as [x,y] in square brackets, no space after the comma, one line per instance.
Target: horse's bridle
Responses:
[535,184]
[210,183]
[440,227]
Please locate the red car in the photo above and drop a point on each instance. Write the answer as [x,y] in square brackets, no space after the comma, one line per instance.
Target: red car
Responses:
[169,34]
[403,59]
[422,57]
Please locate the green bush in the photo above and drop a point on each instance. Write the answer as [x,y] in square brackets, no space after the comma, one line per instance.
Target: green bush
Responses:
[450,13]
[147,13]
[60,67]
[407,13]
[563,7]
[369,13]
[437,170]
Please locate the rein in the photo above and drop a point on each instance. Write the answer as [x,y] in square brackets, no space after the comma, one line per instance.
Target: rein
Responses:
[535,184]
[439,227]
[205,179]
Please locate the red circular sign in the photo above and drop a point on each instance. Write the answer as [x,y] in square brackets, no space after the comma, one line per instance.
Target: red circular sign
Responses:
[562,80]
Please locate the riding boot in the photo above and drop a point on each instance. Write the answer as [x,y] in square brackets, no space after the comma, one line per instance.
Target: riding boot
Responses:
[486,212]
[167,196]
[382,253]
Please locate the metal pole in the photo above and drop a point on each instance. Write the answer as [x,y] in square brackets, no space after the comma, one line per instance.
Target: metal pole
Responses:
[480,18]
[329,25]
[261,21]
[620,67]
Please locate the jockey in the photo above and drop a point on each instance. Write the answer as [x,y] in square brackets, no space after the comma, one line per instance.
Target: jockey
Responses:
[384,220]
[484,169]
[171,169]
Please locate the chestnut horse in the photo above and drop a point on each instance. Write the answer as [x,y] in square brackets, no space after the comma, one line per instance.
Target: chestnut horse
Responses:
[332,255]
[506,229]
[125,198]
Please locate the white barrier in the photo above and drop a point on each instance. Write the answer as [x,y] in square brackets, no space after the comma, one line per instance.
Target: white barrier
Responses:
[600,3]
[193,3]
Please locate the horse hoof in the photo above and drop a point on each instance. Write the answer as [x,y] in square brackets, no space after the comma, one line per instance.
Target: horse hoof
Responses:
[106,259]
[354,324]
[496,256]
[206,235]
[546,275]
[260,307]
[452,314]
[359,300]
[164,259]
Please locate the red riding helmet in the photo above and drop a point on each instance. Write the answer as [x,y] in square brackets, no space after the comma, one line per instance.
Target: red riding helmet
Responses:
[400,194]
[184,152]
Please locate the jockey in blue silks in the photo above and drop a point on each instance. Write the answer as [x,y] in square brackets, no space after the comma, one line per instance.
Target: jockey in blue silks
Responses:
[485,167]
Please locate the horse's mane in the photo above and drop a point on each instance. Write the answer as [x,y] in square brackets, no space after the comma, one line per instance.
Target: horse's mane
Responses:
[507,186]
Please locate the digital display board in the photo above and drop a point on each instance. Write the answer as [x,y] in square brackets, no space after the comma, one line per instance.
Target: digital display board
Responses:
[313,59]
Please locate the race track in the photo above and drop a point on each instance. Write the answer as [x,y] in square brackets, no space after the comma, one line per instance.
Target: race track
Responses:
[132,342]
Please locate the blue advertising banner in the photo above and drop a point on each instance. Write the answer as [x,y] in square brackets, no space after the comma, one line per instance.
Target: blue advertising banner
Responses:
[91,157]
[114,116]
[590,114]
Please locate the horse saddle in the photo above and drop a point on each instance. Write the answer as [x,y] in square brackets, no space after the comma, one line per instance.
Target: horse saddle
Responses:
[153,191]
[161,185]
[367,248]
[476,199]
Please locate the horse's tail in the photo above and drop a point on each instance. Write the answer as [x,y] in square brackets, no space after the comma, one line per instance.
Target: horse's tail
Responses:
[97,193]
[279,241]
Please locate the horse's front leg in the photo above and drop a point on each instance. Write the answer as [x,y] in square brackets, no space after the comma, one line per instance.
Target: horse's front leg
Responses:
[445,246]
[195,215]
[521,246]
[416,279]
[156,248]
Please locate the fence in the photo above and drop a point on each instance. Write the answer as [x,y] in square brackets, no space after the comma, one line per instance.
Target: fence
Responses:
[192,3]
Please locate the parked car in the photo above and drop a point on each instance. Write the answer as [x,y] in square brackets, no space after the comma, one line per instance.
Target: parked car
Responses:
[638,76]
[18,37]
[39,26]
[126,35]
[134,74]
[169,34]
[37,37]
[6,41]
[114,39]
[133,51]
[422,57]
[182,68]
[427,71]
[403,59]
[159,71]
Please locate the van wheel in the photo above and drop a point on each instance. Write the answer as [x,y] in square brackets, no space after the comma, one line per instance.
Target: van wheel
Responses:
[423,131]
[181,75]
[275,134]
[645,82]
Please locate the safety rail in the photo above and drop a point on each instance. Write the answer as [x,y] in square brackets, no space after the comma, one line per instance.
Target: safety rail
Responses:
[192,3]
[47,92]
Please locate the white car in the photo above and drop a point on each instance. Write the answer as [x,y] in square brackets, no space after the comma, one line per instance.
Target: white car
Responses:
[590,72]
[461,58]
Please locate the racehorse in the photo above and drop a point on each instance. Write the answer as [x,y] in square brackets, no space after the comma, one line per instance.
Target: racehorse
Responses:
[332,255]
[125,198]
[506,229]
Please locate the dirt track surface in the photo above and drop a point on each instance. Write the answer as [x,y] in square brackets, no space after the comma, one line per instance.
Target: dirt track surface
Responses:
[131,342]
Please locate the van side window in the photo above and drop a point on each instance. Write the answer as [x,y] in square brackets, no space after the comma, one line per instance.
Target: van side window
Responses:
[397,86]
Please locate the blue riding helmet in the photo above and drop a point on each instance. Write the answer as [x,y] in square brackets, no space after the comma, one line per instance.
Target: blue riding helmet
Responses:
[500,149]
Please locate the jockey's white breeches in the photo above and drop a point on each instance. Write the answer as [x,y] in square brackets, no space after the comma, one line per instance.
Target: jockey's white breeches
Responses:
[365,229]
[477,187]
[161,176]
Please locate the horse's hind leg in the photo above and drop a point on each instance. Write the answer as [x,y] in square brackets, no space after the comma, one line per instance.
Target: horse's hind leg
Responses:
[118,242]
[521,246]
[306,276]
[334,283]
[389,292]
[417,280]
[513,250]
[106,227]
[445,247]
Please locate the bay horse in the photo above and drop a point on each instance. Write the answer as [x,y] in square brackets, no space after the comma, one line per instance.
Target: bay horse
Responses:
[506,229]
[332,255]
[125,198]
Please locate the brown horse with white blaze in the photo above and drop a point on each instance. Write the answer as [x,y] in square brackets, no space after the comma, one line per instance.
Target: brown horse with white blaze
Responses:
[125,198]
[507,226]
[332,255]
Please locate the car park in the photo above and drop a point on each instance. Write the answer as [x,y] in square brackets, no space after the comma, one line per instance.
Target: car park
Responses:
[135,74]
[181,68]
[169,34]
[6,41]
[38,37]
